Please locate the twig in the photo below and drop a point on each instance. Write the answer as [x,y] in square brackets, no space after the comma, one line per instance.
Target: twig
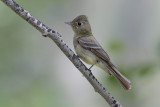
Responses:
[57,38]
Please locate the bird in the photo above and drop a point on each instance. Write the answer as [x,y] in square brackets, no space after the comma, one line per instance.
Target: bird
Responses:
[91,52]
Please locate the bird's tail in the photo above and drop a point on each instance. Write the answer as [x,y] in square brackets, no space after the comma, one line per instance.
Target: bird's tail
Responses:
[121,78]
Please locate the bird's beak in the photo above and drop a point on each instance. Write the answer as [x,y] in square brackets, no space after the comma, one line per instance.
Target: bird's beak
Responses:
[69,23]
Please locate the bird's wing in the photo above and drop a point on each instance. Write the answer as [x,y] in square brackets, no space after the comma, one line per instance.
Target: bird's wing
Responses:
[92,45]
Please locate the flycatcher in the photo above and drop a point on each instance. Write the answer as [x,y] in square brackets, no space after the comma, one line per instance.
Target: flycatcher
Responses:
[91,52]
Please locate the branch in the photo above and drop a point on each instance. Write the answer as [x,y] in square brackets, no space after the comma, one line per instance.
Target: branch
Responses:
[57,38]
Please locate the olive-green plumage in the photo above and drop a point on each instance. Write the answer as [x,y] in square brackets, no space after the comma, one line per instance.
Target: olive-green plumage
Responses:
[90,51]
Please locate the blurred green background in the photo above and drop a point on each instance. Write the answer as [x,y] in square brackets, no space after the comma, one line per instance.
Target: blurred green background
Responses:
[35,73]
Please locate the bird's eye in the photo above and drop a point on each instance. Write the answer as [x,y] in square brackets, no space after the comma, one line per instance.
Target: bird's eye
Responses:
[79,24]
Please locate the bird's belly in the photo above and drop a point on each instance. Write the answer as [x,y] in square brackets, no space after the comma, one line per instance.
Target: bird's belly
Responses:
[86,55]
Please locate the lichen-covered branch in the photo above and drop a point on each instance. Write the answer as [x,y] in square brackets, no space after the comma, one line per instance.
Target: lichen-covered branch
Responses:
[57,38]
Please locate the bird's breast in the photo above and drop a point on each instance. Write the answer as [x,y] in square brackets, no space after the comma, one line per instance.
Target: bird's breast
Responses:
[86,55]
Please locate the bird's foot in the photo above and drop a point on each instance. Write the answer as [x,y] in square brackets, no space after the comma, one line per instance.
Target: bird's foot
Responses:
[90,68]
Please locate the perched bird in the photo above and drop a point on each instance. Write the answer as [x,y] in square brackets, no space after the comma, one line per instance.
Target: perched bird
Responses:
[91,52]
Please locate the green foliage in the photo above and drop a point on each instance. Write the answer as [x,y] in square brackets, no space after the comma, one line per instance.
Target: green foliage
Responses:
[116,46]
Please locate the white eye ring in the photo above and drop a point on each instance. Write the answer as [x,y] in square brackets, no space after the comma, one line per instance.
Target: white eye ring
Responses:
[79,23]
